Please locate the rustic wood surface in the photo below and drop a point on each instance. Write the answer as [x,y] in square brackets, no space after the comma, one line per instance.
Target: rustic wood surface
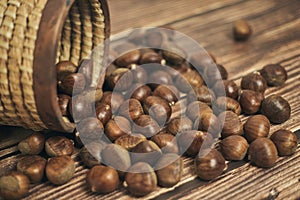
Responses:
[275,39]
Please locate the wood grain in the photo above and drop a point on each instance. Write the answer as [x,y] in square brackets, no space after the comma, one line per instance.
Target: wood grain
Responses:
[275,39]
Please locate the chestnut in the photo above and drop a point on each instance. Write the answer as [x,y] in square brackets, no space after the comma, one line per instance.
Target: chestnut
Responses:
[196,108]
[90,154]
[72,84]
[150,57]
[174,54]
[146,151]
[120,80]
[59,146]
[64,68]
[117,127]
[213,74]
[131,109]
[226,87]
[209,164]
[146,125]
[140,92]
[226,104]
[256,126]
[63,102]
[234,147]
[254,81]
[166,142]
[130,141]
[103,112]
[203,94]
[33,144]
[114,99]
[276,109]
[90,128]
[167,92]
[157,108]
[232,124]
[208,122]
[190,142]
[179,124]
[159,77]
[140,179]
[79,108]
[130,54]
[139,74]
[188,80]
[154,38]
[102,179]
[285,141]
[250,101]
[169,170]
[274,74]
[263,152]
[241,30]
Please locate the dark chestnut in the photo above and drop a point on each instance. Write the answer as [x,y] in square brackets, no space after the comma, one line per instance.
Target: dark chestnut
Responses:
[130,54]
[159,77]
[90,154]
[209,164]
[167,92]
[263,152]
[274,74]
[157,108]
[203,94]
[254,81]
[232,124]
[234,147]
[64,68]
[140,92]
[250,101]
[208,122]
[114,99]
[188,80]
[226,87]
[146,151]
[276,109]
[103,112]
[131,109]
[256,126]
[167,142]
[179,124]
[146,125]
[130,141]
[72,84]
[63,102]
[215,73]
[117,127]
[285,141]
[226,104]
[151,57]
[90,128]
[174,54]
[139,74]
[120,80]
[80,107]
[197,108]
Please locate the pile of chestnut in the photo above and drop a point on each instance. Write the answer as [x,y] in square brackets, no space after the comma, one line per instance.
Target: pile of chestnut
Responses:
[161,103]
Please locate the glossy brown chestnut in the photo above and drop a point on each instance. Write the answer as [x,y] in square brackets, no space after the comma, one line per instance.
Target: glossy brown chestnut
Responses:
[203,94]
[120,80]
[150,57]
[256,126]
[33,144]
[263,152]
[190,142]
[158,108]
[234,147]
[140,179]
[169,170]
[60,170]
[103,112]
[226,87]
[90,128]
[197,108]
[179,124]
[159,77]
[131,109]
[114,99]
[146,151]
[101,179]
[250,101]
[116,157]
[166,142]
[167,92]
[14,185]
[79,108]
[146,125]
[188,80]
[64,68]
[208,122]
[59,146]
[117,127]
[33,167]
[285,141]
[90,154]
[274,74]
[213,74]
[72,84]
[139,74]
[130,54]
[140,92]
[255,82]
[227,104]
[209,164]
[276,109]
[130,141]
[232,124]
[174,54]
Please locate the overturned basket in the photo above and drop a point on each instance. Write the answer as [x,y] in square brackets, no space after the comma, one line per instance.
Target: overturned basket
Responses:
[34,35]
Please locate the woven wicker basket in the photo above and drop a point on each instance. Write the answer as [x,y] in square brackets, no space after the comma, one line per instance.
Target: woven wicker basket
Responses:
[34,35]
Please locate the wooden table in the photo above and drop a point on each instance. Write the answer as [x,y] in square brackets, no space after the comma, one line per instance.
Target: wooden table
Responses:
[275,39]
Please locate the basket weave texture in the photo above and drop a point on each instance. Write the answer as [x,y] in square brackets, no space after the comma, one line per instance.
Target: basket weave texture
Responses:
[83,30]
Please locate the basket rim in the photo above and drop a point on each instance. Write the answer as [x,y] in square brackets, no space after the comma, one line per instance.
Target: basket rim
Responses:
[44,71]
